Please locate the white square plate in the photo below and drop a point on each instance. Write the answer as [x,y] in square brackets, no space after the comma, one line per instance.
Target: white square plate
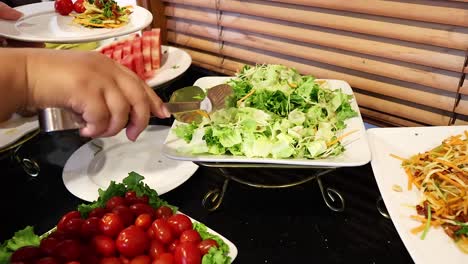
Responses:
[357,151]
[437,247]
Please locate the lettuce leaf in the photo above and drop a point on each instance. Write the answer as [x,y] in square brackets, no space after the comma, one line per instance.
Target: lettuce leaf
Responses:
[133,182]
[21,238]
[215,255]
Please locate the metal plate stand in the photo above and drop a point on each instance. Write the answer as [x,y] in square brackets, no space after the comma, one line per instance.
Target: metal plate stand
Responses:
[213,198]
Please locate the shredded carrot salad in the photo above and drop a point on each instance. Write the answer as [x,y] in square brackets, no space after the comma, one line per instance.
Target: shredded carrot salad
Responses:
[441,174]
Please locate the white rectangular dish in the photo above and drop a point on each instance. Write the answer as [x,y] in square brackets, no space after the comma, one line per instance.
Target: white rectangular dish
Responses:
[437,247]
[357,151]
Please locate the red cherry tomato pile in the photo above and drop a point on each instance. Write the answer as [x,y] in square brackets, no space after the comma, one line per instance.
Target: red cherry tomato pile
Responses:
[65,7]
[127,231]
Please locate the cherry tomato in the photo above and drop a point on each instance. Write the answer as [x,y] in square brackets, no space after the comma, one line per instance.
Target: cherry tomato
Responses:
[132,241]
[111,224]
[72,226]
[125,214]
[143,221]
[98,212]
[63,7]
[65,218]
[78,6]
[141,208]
[48,245]
[104,245]
[47,260]
[206,244]
[132,198]
[110,260]
[187,253]
[124,259]
[73,262]
[150,233]
[115,201]
[190,236]
[26,254]
[179,223]
[143,259]
[165,258]
[156,249]
[162,231]
[172,246]
[164,212]
[89,254]
[90,227]
[68,250]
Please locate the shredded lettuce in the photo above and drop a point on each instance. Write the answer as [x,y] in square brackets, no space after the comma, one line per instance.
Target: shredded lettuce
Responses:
[274,112]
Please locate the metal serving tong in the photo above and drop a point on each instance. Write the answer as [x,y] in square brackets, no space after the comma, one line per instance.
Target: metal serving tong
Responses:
[187,105]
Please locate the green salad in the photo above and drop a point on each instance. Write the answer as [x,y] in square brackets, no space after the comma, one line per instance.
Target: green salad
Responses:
[275,112]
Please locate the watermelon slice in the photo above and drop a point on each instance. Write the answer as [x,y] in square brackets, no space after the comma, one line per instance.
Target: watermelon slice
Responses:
[136,46]
[139,64]
[155,35]
[146,50]
[127,61]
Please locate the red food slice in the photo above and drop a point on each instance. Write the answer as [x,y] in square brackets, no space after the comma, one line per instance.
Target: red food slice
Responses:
[127,48]
[146,50]
[127,61]
[156,48]
[139,64]
[108,53]
[117,54]
[136,46]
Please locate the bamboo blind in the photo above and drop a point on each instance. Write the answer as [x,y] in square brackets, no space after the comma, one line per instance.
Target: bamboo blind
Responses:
[406,60]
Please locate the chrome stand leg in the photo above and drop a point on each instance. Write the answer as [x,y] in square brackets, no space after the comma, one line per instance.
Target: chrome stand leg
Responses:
[331,197]
[214,198]
[29,166]
[381,207]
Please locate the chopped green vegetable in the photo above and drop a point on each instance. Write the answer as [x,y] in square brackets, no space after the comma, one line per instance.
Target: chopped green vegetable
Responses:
[428,223]
[274,112]
[133,182]
[215,255]
[462,231]
[22,238]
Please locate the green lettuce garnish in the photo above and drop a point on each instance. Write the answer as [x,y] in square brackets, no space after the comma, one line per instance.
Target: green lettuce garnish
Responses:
[22,238]
[133,182]
[215,255]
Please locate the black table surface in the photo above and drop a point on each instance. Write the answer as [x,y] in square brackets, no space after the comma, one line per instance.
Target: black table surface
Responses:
[291,225]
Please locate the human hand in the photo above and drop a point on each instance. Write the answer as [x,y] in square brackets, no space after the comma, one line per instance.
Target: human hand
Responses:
[105,93]
[9,13]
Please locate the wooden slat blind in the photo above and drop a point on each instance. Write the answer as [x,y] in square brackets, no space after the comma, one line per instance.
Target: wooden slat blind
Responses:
[406,60]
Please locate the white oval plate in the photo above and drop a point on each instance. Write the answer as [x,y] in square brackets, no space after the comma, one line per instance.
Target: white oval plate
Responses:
[437,247]
[357,151]
[16,127]
[174,63]
[41,23]
[100,161]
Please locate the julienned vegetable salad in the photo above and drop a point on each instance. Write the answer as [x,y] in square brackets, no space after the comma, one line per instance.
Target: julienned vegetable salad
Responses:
[275,112]
[128,223]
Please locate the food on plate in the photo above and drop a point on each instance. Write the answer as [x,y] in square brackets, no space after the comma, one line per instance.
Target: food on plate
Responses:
[441,175]
[95,13]
[128,223]
[102,14]
[141,54]
[275,112]
[63,7]
[72,46]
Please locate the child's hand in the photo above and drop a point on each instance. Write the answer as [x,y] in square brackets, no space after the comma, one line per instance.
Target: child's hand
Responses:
[106,94]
